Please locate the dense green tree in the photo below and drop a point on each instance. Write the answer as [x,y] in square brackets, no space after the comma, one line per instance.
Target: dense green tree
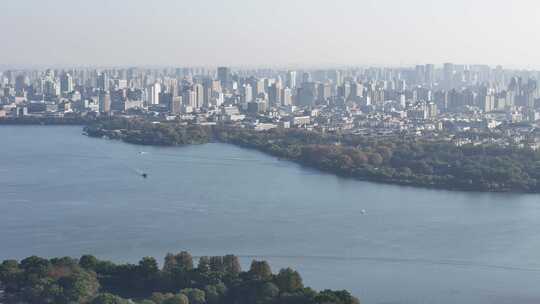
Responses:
[89,262]
[260,270]
[216,264]
[182,261]
[148,267]
[158,297]
[215,293]
[177,299]
[79,286]
[375,159]
[288,280]
[336,297]
[107,298]
[35,265]
[195,296]
[89,280]
[204,264]
[231,264]
[268,292]
[139,131]
[11,275]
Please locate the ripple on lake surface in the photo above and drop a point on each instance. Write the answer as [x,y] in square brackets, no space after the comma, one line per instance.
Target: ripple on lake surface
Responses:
[65,194]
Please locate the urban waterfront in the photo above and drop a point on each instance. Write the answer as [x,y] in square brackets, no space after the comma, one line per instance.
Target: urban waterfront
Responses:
[62,193]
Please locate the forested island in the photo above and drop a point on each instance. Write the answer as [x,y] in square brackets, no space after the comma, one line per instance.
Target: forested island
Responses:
[396,160]
[214,280]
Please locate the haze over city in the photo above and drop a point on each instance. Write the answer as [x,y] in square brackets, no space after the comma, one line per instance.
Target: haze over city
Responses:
[264,33]
[269,152]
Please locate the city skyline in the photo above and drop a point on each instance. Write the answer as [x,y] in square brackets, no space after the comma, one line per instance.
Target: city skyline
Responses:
[422,92]
[283,33]
[388,150]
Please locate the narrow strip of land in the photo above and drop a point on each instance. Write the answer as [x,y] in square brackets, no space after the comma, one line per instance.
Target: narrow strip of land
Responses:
[396,160]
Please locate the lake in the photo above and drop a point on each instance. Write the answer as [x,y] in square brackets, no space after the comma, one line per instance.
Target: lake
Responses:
[64,194]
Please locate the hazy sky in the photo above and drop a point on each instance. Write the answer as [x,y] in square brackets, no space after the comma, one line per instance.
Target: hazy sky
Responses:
[272,32]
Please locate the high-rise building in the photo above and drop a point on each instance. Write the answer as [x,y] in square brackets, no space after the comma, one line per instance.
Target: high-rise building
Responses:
[166,99]
[199,92]
[325,92]
[225,77]
[21,83]
[258,88]
[51,89]
[335,76]
[420,74]
[217,99]
[357,91]
[291,79]
[134,94]
[344,91]
[307,94]
[103,81]
[10,76]
[448,75]
[189,98]
[208,85]
[488,103]
[120,83]
[118,100]
[274,94]
[104,102]
[286,98]
[257,106]
[306,77]
[172,86]
[246,93]
[176,104]
[154,91]
[431,110]
[66,83]
[430,75]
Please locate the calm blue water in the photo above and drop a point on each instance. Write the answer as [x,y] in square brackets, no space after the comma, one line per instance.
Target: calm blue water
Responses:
[62,193]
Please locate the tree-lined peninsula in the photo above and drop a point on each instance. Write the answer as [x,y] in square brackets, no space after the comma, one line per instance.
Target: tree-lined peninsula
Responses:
[396,160]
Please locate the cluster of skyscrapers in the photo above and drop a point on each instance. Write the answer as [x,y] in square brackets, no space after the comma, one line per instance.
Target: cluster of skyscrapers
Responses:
[423,91]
